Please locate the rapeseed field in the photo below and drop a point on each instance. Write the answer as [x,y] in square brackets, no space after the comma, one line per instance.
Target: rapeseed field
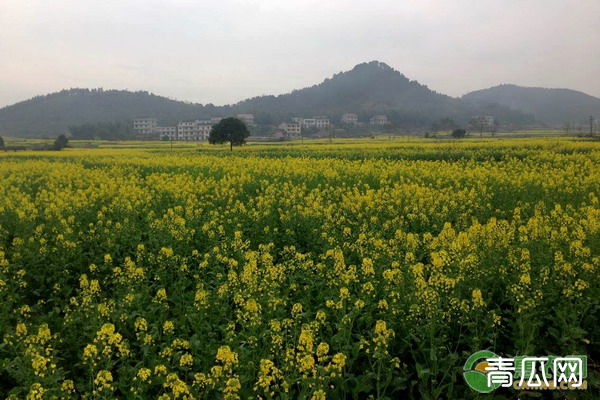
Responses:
[366,269]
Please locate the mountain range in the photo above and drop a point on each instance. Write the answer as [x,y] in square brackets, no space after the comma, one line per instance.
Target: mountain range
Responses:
[367,89]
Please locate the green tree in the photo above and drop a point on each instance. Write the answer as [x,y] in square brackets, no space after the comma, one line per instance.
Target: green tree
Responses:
[61,142]
[1,142]
[459,133]
[101,130]
[230,130]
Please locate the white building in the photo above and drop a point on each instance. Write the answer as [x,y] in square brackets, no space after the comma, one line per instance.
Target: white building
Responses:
[247,118]
[216,120]
[309,122]
[378,120]
[194,131]
[293,129]
[321,122]
[185,131]
[144,126]
[169,132]
[318,122]
[350,119]
[482,121]
[203,128]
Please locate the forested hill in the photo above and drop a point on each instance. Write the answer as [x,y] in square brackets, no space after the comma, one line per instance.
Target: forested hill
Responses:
[375,88]
[551,106]
[52,114]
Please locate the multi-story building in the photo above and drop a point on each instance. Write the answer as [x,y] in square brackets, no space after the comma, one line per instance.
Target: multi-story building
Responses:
[482,121]
[293,129]
[378,120]
[144,126]
[166,132]
[314,122]
[247,118]
[349,119]
[147,128]
[204,127]
[321,122]
[309,122]
[185,130]
[194,131]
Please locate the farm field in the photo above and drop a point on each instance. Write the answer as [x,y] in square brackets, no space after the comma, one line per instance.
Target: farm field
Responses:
[360,269]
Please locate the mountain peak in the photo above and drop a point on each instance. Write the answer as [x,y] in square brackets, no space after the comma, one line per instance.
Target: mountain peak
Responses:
[372,75]
[377,65]
[374,68]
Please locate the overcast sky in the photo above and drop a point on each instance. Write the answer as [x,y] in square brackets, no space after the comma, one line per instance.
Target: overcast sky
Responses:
[223,51]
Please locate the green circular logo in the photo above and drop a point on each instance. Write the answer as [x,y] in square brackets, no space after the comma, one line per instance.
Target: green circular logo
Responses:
[475,374]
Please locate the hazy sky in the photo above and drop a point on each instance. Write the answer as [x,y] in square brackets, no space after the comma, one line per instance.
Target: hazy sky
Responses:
[222,51]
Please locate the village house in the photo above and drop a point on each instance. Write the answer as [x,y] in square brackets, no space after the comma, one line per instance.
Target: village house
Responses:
[349,119]
[379,120]
[279,133]
[199,130]
[292,129]
[166,132]
[482,121]
[144,126]
[248,119]
[309,122]
[194,131]
[318,122]
[321,122]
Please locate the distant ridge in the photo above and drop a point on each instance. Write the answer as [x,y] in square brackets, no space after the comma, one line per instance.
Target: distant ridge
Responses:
[53,113]
[367,89]
[550,106]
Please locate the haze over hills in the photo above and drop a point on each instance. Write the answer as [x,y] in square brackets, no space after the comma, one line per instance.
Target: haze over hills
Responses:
[550,106]
[367,89]
[53,113]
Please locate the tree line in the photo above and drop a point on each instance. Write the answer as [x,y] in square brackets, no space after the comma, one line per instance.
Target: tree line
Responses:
[101,130]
